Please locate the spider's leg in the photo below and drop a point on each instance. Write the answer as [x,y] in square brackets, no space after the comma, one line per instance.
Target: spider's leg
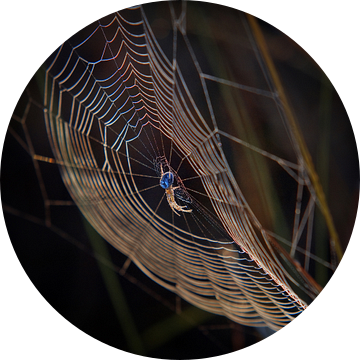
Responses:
[175,211]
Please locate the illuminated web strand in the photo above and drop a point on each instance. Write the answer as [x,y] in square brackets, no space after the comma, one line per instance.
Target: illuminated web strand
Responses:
[140,106]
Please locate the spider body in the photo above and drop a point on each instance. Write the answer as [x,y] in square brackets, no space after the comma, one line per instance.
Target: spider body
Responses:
[166,182]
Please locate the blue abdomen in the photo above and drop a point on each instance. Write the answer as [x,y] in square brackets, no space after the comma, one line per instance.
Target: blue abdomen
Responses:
[167,180]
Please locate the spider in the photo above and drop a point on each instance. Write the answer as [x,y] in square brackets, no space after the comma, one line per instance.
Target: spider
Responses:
[166,181]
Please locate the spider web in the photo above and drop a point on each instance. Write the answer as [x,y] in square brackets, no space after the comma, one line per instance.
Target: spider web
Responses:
[121,101]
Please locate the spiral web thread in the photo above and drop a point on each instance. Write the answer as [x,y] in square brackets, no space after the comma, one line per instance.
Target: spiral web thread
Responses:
[119,108]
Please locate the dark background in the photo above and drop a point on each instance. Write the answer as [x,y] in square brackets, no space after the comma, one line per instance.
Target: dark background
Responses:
[72,284]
